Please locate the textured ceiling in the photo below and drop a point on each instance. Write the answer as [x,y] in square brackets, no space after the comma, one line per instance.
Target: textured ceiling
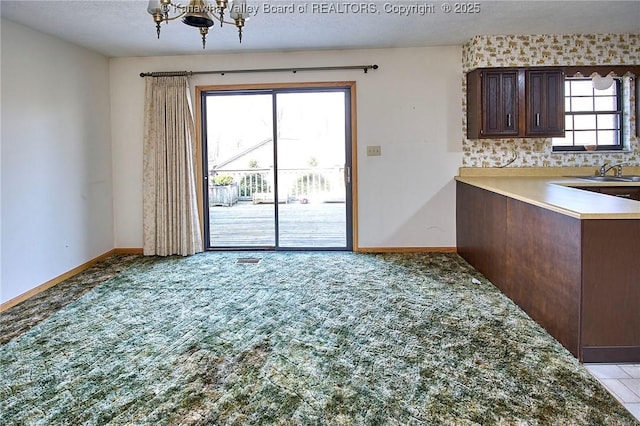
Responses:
[123,28]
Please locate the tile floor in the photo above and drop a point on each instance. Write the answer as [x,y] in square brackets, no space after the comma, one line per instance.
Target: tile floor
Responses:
[622,380]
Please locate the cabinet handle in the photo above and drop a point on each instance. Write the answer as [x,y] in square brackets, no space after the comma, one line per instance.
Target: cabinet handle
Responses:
[537,119]
[508,120]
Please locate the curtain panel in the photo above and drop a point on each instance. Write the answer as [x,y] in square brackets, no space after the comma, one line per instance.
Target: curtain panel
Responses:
[171,222]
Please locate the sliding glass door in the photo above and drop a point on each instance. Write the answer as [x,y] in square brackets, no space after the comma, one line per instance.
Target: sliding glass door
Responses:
[278,168]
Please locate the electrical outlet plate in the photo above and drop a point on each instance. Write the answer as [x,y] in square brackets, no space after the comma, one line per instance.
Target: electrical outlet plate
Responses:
[374,151]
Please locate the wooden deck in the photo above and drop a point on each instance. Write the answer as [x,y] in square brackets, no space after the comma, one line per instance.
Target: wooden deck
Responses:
[246,225]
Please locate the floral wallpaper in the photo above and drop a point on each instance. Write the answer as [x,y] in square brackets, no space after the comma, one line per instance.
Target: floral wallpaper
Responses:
[546,50]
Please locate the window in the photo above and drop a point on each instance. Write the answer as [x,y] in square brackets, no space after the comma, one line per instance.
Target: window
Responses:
[593,118]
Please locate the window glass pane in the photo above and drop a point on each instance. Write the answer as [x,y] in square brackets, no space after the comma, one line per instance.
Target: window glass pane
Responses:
[606,103]
[607,121]
[607,137]
[582,88]
[585,138]
[582,104]
[567,104]
[584,122]
[568,122]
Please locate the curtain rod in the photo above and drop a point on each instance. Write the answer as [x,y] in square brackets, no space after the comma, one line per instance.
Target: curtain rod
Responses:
[364,68]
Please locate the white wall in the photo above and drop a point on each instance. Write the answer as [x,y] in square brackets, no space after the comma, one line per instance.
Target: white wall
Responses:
[57,205]
[410,106]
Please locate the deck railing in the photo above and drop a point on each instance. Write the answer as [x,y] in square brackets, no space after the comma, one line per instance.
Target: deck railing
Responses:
[300,184]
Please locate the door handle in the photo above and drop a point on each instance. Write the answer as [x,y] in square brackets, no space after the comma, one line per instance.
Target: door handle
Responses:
[508,120]
[347,175]
[537,119]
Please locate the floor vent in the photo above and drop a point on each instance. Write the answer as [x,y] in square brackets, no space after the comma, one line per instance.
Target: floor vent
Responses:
[250,260]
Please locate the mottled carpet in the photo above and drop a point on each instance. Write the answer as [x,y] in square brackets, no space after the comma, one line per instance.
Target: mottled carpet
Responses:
[298,338]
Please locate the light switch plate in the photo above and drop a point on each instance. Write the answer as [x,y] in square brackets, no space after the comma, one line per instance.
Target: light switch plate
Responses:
[374,151]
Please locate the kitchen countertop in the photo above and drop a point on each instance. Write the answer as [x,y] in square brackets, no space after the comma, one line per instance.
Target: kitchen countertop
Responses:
[549,189]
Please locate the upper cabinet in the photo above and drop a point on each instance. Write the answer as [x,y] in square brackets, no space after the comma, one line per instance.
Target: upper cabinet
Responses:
[515,102]
[500,103]
[545,103]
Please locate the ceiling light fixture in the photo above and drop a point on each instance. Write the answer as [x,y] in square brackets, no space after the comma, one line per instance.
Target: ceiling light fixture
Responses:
[199,14]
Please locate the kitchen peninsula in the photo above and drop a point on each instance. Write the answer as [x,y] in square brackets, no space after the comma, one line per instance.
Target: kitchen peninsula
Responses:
[567,256]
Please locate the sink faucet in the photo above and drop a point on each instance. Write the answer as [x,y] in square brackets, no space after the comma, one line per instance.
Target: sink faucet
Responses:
[604,169]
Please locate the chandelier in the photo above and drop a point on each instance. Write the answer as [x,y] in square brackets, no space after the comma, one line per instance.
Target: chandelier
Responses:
[199,14]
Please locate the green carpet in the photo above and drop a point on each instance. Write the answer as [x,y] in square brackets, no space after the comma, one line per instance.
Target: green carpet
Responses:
[296,339]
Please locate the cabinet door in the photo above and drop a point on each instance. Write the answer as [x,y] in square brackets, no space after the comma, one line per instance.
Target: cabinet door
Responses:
[500,103]
[630,192]
[545,103]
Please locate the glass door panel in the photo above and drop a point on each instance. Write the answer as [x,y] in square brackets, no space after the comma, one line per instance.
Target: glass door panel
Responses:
[240,167]
[311,160]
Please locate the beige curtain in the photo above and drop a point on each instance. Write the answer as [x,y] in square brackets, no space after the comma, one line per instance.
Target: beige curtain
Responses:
[170,210]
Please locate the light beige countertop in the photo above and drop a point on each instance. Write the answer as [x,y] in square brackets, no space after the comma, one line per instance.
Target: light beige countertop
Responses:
[551,189]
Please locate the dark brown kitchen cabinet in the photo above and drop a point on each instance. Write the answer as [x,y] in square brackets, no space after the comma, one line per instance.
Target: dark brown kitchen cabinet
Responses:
[500,103]
[493,103]
[545,103]
[630,192]
[574,277]
[515,102]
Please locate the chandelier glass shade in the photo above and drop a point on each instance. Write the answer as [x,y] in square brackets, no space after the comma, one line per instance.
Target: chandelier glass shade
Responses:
[201,14]
[602,83]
